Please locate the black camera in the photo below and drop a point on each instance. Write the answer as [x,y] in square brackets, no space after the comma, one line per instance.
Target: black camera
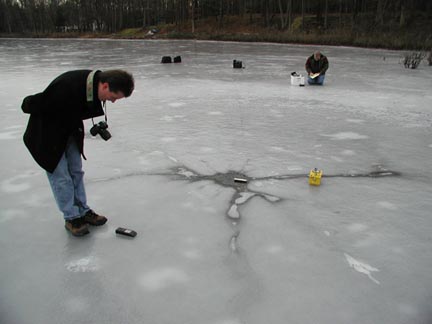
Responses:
[101,129]
[237,64]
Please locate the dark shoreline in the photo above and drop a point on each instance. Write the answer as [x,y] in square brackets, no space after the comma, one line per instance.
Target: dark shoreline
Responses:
[391,43]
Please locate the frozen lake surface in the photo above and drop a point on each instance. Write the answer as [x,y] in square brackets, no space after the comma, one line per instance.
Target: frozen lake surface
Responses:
[357,249]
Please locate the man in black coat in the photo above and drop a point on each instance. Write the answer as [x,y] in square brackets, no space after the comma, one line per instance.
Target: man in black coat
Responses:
[316,66]
[55,135]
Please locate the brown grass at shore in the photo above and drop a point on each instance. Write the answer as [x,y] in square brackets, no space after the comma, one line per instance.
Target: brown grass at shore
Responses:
[251,29]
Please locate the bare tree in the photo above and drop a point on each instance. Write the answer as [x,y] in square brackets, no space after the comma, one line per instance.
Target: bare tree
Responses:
[221,13]
[381,8]
[285,17]
[303,14]
[326,15]
[5,16]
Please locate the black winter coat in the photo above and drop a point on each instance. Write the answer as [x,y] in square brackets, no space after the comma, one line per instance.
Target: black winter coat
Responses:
[320,66]
[58,113]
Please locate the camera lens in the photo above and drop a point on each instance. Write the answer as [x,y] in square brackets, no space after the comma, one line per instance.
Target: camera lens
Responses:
[94,130]
[105,134]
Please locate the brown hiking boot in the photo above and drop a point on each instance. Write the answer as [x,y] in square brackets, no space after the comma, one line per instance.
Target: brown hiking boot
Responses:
[94,219]
[77,226]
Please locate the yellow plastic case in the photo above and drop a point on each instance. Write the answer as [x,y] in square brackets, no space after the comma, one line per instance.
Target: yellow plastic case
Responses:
[315,177]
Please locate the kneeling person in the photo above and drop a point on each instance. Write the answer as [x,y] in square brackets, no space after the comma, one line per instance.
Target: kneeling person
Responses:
[316,67]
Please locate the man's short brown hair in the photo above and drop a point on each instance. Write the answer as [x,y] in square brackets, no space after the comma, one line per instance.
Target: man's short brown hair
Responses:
[118,81]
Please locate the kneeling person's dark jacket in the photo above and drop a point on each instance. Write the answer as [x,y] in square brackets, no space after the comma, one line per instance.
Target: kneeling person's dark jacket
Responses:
[58,113]
[317,66]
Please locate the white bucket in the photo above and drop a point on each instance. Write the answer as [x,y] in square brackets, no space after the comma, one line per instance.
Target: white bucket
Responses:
[297,80]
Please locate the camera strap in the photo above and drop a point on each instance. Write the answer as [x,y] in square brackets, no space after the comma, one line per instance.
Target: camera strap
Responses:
[89,89]
[105,113]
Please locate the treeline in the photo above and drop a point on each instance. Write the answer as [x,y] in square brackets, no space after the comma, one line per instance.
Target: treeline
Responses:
[48,16]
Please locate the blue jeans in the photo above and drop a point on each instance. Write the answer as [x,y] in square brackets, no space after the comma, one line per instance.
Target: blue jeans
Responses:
[67,183]
[318,80]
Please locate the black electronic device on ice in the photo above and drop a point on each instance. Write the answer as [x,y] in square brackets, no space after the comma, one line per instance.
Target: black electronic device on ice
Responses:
[125,231]
[237,64]
[166,59]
